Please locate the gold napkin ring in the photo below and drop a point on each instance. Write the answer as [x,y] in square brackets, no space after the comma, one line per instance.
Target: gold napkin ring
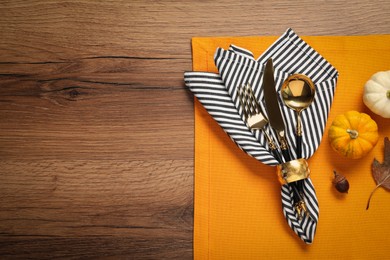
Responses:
[293,171]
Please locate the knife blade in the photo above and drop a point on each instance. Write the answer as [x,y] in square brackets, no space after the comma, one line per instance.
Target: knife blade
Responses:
[272,105]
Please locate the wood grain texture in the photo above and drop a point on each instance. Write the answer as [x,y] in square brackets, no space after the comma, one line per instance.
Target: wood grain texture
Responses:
[96,126]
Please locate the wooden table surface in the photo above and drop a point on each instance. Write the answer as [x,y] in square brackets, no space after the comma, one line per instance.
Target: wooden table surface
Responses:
[96,125]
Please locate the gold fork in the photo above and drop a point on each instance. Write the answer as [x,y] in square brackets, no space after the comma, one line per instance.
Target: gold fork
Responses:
[254,117]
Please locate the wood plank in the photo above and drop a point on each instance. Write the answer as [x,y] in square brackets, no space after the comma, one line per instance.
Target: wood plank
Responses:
[58,31]
[129,247]
[134,73]
[68,208]
[105,197]
[68,118]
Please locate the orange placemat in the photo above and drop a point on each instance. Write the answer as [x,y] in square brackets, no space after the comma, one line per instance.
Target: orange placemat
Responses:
[238,211]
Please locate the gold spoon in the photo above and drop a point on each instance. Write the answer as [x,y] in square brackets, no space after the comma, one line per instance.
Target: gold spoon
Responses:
[298,93]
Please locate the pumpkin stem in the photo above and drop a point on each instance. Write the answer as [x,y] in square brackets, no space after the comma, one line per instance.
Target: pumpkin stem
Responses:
[353,133]
[388,94]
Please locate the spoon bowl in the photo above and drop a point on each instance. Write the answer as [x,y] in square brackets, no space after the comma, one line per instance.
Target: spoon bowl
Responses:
[298,92]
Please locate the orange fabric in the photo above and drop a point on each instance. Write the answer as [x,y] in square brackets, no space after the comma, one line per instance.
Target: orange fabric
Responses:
[237,199]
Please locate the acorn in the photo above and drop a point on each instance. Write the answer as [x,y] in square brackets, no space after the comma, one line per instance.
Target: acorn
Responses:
[340,182]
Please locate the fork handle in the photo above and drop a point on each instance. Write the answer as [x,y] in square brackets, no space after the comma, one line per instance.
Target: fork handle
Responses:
[277,155]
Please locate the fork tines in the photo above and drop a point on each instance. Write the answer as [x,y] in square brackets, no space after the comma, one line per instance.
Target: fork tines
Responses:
[251,107]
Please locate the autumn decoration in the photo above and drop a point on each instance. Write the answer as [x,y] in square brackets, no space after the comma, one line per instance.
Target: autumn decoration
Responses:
[353,134]
[381,171]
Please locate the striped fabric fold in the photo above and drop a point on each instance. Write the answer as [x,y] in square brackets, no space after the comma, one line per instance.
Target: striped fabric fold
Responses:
[212,93]
[237,66]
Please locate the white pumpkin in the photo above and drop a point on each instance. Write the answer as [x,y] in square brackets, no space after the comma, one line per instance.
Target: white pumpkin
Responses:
[377,93]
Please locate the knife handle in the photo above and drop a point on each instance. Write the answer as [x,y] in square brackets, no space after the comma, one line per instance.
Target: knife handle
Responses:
[286,155]
[299,146]
[284,148]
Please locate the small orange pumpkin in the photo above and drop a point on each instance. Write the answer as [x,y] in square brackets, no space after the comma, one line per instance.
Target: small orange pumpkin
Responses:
[353,134]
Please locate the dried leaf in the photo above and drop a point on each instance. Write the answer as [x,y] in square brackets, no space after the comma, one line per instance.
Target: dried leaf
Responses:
[381,172]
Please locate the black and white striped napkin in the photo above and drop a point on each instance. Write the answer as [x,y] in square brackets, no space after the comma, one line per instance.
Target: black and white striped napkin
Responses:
[237,66]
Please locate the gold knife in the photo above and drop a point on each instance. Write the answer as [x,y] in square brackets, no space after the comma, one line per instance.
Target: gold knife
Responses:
[276,121]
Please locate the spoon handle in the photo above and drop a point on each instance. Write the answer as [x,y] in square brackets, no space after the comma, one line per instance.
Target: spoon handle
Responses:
[299,146]
[298,137]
